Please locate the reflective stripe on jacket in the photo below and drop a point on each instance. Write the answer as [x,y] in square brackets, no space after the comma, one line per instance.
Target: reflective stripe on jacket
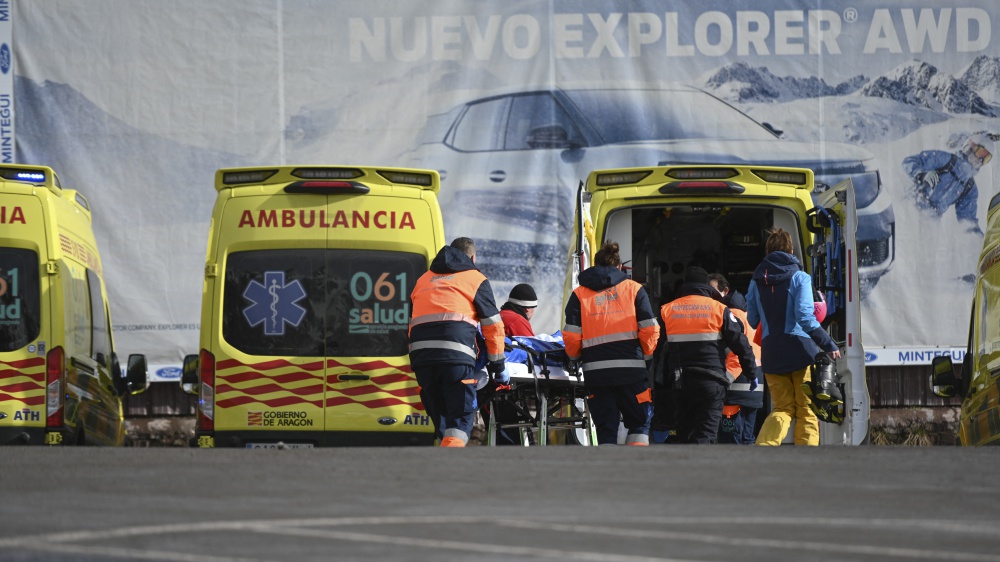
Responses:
[739,392]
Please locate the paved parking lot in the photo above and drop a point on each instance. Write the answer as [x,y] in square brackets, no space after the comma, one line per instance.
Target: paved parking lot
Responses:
[564,503]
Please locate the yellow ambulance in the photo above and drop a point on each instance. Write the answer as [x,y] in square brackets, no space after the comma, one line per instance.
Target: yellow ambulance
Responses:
[666,218]
[60,379]
[978,383]
[306,308]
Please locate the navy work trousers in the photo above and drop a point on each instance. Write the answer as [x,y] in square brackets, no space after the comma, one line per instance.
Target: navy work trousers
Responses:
[630,404]
[449,396]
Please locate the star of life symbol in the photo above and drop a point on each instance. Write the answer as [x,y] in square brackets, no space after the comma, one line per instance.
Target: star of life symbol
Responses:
[274,303]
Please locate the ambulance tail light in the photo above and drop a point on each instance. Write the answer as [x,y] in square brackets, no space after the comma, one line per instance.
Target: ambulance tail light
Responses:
[206,398]
[55,399]
[702,187]
[327,187]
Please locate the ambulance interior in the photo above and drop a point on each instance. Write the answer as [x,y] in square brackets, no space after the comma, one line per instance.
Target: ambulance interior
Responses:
[659,242]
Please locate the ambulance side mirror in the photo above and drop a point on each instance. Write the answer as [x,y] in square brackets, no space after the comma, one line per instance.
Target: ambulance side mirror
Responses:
[189,374]
[943,381]
[136,374]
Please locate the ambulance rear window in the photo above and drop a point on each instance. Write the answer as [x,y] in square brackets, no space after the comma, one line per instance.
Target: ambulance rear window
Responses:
[319,303]
[20,308]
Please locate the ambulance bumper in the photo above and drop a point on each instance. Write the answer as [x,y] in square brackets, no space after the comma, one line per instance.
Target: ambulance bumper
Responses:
[268,439]
[22,435]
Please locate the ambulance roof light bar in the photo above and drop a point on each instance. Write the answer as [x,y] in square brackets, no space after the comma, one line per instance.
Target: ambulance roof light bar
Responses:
[774,176]
[621,178]
[327,173]
[412,178]
[702,173]
[35,175]
[247,176]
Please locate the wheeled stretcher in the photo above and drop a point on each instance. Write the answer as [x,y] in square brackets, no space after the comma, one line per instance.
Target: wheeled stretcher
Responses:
[544,396]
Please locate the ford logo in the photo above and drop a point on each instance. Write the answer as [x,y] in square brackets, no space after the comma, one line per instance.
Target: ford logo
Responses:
[169,373]
[869,357]
[387,421]
[4,58]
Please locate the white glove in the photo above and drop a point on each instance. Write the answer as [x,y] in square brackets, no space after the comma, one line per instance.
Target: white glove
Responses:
[931,179]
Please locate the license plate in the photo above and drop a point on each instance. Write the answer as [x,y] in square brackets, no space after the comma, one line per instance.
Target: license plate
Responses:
[279,446]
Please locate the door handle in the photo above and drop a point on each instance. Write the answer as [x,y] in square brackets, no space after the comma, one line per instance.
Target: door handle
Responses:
[353,377]
[497,176]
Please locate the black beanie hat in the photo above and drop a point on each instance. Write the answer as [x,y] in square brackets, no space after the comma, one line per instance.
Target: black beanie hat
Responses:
[523,295]
[696,275]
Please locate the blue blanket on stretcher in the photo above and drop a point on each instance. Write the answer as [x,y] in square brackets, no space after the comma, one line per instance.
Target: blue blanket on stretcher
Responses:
[550,344]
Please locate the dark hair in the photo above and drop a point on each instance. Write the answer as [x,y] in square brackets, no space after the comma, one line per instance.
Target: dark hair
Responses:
[466,245]
[608,254]
[719,280]
[778,241]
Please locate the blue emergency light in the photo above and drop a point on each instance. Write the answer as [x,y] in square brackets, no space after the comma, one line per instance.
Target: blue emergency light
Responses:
[28,176]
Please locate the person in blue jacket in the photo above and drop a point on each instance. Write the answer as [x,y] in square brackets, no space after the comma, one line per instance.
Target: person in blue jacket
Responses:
[780,300]
[943,179]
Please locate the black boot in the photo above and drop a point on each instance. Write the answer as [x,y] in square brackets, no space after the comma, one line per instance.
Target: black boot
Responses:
[824,379]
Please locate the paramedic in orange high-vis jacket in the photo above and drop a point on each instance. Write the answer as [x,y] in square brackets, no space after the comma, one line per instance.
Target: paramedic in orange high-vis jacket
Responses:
[450,302]
[612,331]
[697,329]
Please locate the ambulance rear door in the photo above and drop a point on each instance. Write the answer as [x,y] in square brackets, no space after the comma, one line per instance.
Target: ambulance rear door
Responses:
[378,245]
[269,367]
[834,260]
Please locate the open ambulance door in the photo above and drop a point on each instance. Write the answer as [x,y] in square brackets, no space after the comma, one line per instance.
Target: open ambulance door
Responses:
[834,261]
[581,248]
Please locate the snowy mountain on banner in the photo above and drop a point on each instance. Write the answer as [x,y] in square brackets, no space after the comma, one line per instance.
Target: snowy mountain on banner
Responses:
[983,76]
[742,83]
[920,84]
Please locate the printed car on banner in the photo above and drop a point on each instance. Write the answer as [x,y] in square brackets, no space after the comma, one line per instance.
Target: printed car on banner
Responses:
[512,157]
[62,382]
[306,307]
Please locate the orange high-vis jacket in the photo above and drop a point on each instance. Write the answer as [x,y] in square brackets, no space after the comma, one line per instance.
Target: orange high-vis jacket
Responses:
[696,328]
[609,315]
[451,298]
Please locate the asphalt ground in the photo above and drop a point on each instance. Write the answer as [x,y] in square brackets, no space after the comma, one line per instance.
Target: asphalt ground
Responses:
[666,502]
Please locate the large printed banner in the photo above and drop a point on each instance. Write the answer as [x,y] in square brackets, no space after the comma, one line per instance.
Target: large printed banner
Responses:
[138,103]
